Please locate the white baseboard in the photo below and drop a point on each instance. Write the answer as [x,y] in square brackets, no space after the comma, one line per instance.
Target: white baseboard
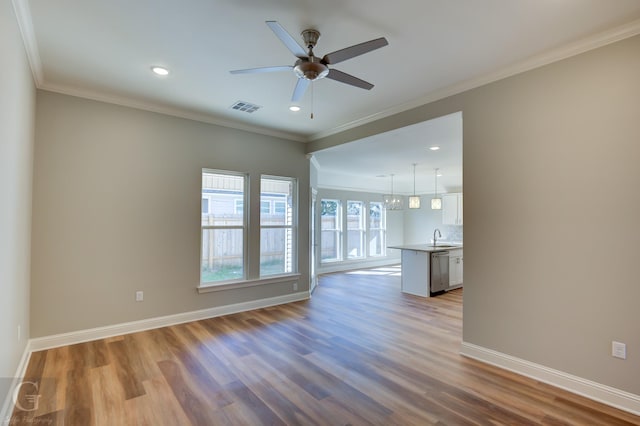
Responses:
[598,392]
[7,405]
[48,342]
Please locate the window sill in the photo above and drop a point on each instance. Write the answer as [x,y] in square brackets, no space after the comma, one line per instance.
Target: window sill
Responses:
[272,279]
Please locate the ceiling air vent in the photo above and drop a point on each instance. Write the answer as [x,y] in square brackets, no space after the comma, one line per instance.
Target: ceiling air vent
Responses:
[245,106]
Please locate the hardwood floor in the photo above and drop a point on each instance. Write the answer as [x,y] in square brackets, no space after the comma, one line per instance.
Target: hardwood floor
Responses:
[359,352]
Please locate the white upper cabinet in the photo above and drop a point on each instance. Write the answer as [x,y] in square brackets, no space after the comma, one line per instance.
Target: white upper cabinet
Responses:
[452,209]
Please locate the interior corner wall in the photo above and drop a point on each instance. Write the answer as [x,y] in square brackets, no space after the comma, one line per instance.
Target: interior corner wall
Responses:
[551,210]
[117,204]
[17,112]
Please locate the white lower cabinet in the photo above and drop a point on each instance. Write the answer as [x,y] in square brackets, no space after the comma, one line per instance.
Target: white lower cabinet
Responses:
[455,268]
[415,272]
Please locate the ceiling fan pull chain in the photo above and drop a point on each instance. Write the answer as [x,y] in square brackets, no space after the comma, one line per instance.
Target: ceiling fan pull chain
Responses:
[312,100]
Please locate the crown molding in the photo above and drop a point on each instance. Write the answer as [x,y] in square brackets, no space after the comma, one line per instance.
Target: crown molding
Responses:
[166,110]
[563,52]
[25,23]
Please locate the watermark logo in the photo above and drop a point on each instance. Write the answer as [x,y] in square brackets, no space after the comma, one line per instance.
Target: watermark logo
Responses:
[25,400]
[26,396]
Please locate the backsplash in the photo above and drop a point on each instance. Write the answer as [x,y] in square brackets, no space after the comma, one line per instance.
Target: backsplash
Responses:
[451,233]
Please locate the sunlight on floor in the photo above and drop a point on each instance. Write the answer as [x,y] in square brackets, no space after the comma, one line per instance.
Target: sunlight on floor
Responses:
[386,270]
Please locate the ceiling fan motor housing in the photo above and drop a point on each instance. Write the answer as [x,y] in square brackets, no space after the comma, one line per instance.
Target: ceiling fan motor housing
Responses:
[310,68]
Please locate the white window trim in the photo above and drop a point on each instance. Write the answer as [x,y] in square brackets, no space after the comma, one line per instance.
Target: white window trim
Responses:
[230,285]
[244,227]
[294,221]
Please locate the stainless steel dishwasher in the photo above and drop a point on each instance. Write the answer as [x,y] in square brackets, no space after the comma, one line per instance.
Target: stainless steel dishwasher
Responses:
[439,271]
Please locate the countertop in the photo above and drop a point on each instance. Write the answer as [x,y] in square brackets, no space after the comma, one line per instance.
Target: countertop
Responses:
[429,247]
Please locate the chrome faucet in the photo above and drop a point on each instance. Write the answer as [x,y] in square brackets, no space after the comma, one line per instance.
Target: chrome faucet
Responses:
[435,239]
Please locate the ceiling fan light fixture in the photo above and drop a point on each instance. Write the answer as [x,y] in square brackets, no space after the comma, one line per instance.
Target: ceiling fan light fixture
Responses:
[294,108]
[310,69]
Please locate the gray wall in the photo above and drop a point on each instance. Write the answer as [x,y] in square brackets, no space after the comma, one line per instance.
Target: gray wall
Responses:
[551,272]
[117,209]
[17,113]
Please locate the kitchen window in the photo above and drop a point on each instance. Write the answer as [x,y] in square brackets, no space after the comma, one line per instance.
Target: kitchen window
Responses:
[355,229]
[377,229]
[330,230]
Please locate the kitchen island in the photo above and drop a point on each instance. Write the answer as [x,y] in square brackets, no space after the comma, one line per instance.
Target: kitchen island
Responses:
[417,269]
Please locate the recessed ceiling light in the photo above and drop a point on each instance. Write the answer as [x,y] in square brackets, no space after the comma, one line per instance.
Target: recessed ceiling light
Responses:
[294,108]
[434,148]
[439,174]
[160,71]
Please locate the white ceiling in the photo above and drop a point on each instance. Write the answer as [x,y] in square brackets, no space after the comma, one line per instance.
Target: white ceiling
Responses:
[104,50]
[367,164]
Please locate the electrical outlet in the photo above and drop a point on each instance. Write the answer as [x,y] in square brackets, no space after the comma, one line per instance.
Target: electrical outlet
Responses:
[618,350]
[295,286]
[139,296]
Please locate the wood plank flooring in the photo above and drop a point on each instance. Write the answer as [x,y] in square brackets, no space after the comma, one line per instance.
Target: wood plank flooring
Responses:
[359,352]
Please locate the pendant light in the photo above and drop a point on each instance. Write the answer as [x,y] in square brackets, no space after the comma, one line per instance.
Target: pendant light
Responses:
[414,200]
[436,203]
[392,202]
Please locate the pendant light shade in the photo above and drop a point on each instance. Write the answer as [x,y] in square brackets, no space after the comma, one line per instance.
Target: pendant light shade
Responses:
[414,200]
[393,202]
[436,203]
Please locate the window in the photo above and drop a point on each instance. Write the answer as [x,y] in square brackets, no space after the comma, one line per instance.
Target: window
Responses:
[239,206]
[377,229]
[355,229]
[330,231]
[279,207]
[205,205]
[265,206]
[278,227]
[223,227]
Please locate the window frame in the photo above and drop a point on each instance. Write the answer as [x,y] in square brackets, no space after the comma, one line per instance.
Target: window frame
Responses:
[244,227]
[337,230]
[362,230]
[293,227]
[381,231]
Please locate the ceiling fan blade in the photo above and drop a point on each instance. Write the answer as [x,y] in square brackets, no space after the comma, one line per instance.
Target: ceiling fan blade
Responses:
[353,51]
[343,77]
[263,69]
[301,87]
[286,39]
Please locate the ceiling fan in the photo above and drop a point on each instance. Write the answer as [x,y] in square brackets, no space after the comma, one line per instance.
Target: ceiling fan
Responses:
[309,67]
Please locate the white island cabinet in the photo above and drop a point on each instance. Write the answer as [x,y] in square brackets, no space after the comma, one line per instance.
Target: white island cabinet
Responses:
[416,267]
[416,272]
